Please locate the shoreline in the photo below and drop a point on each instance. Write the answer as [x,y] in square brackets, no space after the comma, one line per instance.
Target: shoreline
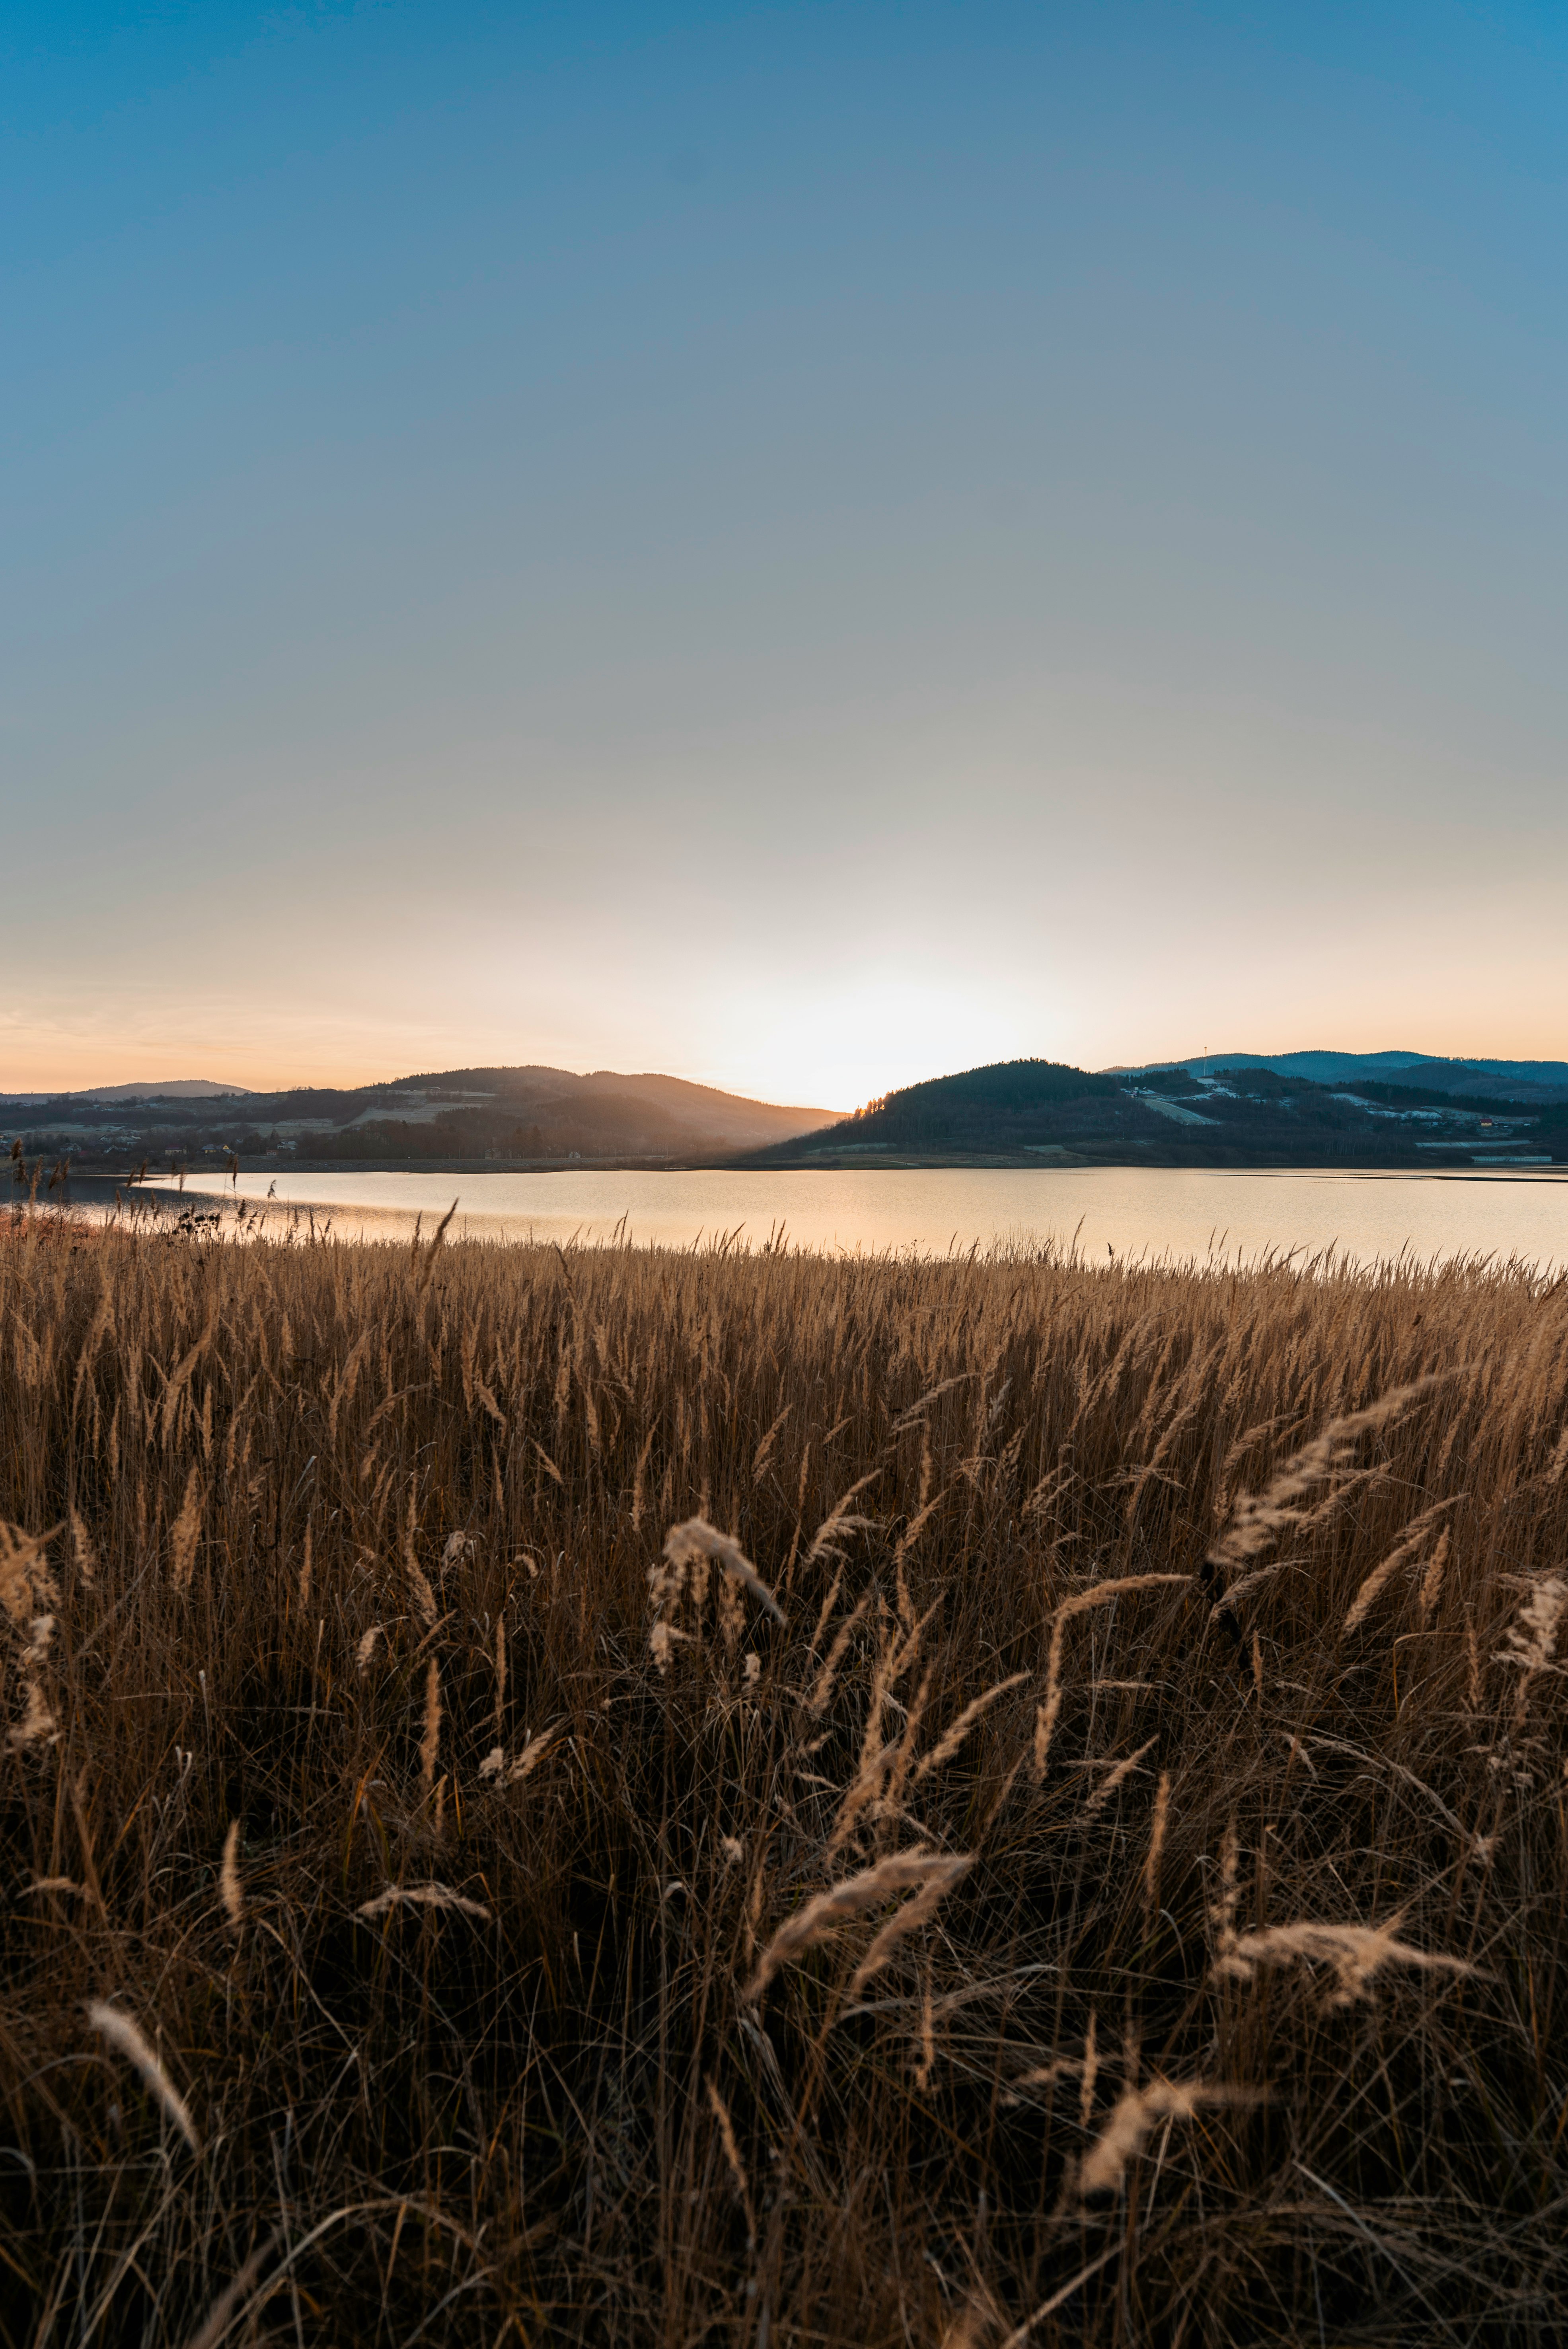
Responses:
[99,1183]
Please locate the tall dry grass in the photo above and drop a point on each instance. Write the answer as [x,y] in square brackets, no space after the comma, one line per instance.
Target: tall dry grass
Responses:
[442,1901]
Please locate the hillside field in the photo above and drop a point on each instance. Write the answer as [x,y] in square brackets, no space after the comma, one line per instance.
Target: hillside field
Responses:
[628,1797]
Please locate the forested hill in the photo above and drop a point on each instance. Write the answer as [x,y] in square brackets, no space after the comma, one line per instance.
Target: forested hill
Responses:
[1035,1111]
[1008,1105]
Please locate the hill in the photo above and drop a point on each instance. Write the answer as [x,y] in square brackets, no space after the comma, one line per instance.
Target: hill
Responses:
[168,1089]
[528,1114]
[150,1088]
[1521,1080]
[603,1094]
[1005,1106]
[1032,1111]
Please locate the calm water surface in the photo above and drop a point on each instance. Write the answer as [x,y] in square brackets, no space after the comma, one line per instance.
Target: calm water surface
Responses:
[1134,1211]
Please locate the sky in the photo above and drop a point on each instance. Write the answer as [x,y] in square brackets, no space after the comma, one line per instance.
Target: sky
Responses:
[804,546]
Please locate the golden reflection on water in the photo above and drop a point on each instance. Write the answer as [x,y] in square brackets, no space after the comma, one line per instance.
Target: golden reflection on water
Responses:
[1130,1211]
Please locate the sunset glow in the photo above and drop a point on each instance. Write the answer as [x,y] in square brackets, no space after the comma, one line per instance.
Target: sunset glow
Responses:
[800,549]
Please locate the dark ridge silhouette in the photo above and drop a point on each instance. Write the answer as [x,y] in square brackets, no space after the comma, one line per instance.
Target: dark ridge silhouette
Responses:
[1040,1112]
[1006,1104]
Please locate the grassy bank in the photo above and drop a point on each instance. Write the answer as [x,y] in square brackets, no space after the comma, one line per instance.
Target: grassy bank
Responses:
[460,1858]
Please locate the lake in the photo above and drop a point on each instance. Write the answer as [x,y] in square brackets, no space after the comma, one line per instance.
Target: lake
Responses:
[1135,1211]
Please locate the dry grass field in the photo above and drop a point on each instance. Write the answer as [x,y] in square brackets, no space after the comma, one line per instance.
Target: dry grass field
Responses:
[631,1797]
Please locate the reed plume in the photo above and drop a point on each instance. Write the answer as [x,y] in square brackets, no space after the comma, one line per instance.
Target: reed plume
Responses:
[825,1912]
[85,1555]
[117,2031]
[1257,1520]
[691,1543]
[737,2167]
[941,1876]
[1088,2070]
[1156,1845]
[423,1896]
[1118,1776]
[25,1582]
[1135,2115]
[534,1751]
[1405,1548]
[948,1746]
[419,1584]
[231,1891]
[1432,1580]
[1078,1604]
[186,1536]
[1355,1952]
[425,1263]
[430,1743]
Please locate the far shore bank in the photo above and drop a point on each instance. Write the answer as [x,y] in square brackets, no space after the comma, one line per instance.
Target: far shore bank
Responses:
[100,1183]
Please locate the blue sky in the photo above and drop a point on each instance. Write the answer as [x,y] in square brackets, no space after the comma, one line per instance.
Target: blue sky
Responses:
[803,546]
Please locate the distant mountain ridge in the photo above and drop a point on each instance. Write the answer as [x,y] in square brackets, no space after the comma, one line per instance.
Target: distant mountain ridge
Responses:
[681,1096]
[168,1089]
[1456,1076]
[527,1115]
